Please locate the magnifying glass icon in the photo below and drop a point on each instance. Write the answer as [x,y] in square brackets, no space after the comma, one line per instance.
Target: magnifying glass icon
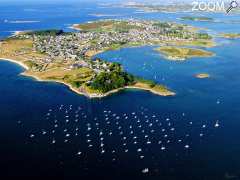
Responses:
[233,5]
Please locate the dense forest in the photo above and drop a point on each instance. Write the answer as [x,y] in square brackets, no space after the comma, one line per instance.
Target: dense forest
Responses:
[113,79]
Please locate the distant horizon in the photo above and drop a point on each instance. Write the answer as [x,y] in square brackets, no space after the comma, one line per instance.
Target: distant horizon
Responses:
[103,1]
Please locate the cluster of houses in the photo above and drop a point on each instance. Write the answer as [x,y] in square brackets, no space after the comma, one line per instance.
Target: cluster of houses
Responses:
[96,65]
[74,46]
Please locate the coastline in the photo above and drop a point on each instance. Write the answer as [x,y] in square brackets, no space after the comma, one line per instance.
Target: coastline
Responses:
[168,93]
[93,95]
[15,61]
[74,27]
[36,77]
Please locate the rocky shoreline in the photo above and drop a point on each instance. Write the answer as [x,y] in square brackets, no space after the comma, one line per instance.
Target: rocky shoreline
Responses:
[89,95]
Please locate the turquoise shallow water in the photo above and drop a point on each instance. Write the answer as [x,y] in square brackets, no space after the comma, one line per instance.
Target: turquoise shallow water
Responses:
[29,109]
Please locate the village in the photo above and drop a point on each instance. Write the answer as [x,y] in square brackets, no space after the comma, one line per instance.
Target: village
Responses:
[106,35]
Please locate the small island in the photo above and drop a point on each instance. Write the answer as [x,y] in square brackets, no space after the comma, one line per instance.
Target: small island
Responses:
[202,75]
[69,57]
[231,35]
[200,18]
[182,54]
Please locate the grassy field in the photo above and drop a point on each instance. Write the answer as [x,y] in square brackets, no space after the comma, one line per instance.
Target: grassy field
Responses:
[93,26]
[75,77]
[21,50]
[179,53]
[106,26]
[12,45]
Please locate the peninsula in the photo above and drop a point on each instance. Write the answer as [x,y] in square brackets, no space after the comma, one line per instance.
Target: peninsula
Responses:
[69,57]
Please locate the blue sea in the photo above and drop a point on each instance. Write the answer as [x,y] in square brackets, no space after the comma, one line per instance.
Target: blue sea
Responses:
[46,130]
